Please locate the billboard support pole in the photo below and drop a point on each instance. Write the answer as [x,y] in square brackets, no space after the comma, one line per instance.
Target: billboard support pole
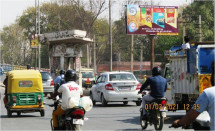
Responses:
[132,52]
[152,51]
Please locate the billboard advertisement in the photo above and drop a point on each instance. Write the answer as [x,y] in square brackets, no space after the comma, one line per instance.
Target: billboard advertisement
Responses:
[152,20]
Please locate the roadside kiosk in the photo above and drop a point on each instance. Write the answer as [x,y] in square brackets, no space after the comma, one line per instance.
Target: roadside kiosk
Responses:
[65,50]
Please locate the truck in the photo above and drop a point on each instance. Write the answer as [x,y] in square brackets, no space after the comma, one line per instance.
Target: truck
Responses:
[188,73]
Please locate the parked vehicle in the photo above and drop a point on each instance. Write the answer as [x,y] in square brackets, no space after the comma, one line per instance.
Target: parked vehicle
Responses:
[88,77]
[48,83]
[116,87]
[24,92]
[155,113]
[188,74]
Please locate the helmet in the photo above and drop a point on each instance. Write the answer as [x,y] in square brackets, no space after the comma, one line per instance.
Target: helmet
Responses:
[156,71]
[62,71]
[70,75]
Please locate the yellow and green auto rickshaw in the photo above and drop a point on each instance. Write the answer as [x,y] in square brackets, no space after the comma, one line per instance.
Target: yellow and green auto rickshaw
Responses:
[24,92]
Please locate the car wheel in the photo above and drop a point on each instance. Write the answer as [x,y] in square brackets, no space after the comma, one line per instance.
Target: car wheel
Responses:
[125,102]
[138,103]
[91,97]
[104,102]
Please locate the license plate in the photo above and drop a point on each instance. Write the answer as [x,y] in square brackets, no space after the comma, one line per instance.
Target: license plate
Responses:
[78,121]
[125,88]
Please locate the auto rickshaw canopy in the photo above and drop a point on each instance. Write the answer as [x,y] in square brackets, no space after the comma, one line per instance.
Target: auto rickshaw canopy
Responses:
[24,81]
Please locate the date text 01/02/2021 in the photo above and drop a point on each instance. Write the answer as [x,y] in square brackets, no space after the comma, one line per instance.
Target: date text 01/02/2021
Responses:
[170,106]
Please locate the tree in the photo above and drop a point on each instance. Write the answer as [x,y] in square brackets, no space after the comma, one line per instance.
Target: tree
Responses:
[62,15]
[206,10]
[13,40]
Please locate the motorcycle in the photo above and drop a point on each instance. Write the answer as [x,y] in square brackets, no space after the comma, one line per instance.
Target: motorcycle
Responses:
[155,113]
[73,118]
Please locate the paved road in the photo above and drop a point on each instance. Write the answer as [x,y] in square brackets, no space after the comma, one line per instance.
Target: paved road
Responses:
[115,116]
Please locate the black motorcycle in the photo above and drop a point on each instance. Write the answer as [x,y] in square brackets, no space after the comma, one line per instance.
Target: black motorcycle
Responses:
[155,113]
[73,118]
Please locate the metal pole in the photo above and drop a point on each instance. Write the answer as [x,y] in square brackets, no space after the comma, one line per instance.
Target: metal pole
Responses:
[35,33]
[88,59]
[152,53]
[110,35]
[184,30]
[39,35]
[200,28]
[24,55]
[141,59]
[94,52]
[132,51]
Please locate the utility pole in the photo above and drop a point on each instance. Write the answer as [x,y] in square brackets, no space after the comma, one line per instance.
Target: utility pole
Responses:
[110,35]
[200,28]
[88,58]
[152,53]
[94,52]
[132,52]
[35,33]
[141,58]
[184,30]
[39,34]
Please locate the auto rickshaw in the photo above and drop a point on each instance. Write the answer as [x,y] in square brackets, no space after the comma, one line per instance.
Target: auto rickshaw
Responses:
[24,92]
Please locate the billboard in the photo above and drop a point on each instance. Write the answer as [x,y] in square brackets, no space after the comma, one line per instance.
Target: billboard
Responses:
[152,20]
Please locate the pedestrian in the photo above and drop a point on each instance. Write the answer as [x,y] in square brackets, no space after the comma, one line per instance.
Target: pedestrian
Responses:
[206,102]
[28,67]
[158,86]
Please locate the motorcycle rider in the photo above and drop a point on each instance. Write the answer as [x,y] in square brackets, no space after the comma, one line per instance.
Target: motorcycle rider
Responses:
[70,91]
[60,79]
[158,86]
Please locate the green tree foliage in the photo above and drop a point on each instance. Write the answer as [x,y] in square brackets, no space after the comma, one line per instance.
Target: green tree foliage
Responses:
[206,10]
[13,41]
[59,16]
[101,30]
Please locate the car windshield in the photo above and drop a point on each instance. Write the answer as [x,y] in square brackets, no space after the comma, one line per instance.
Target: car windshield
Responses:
[121,77]
[45,76]
[87,74]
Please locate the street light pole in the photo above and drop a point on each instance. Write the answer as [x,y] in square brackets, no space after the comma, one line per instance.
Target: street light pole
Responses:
[39,34]
[110,35]
[94,52]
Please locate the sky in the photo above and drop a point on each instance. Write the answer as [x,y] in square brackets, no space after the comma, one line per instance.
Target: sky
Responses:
[12,9]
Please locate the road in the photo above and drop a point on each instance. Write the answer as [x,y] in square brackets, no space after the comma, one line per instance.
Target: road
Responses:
[115,116]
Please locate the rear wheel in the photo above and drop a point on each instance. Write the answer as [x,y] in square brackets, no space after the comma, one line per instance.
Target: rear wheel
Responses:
[138,103]
[9,113]
[42,113]
[160,123]
[91,96]
[104,102]
[143,123]
[125,102]
[18,113]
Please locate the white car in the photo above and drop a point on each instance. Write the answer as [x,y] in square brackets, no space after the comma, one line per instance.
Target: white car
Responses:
[116,87]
